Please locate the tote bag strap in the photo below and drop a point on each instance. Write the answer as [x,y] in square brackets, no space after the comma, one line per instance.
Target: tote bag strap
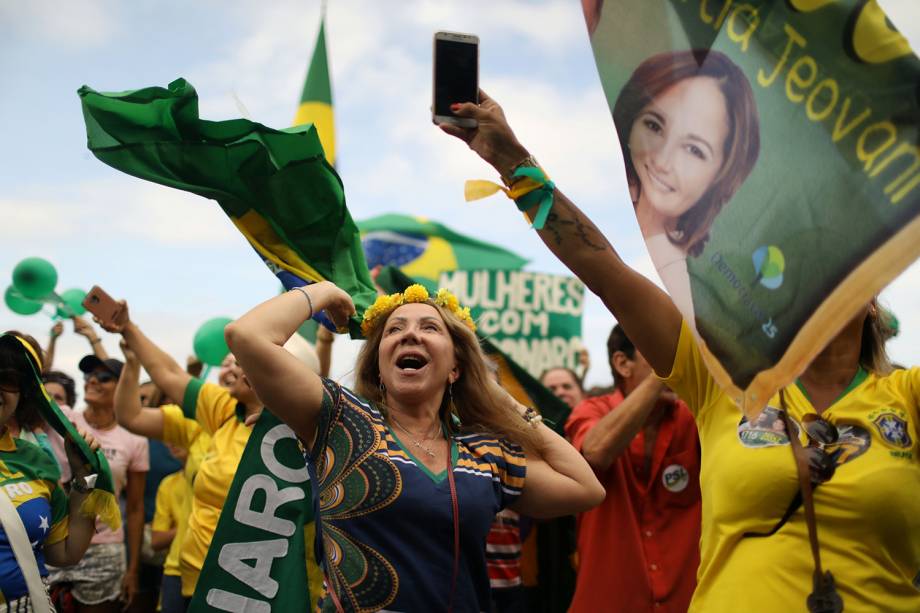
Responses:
[25,557]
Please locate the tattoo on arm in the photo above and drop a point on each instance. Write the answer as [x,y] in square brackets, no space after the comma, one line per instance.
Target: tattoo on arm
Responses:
[588,234]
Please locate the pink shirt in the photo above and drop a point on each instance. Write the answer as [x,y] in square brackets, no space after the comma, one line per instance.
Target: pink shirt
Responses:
[125,452]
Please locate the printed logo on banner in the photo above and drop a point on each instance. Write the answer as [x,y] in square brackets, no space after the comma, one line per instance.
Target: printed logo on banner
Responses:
[893,429]
[769,264]
[675,478]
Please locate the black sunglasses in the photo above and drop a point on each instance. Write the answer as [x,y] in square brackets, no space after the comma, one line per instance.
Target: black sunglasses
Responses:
[102,376]
[821,464]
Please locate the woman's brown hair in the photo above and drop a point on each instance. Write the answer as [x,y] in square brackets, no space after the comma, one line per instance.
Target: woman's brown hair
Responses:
[877,329]
[479,410]
[742,145]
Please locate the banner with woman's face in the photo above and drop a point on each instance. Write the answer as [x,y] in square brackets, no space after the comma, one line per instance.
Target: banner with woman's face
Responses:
[771,152]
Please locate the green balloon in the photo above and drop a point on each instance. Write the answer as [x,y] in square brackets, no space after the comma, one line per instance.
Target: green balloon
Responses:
[34,278]
[20,304]
[73,303]
[209,343]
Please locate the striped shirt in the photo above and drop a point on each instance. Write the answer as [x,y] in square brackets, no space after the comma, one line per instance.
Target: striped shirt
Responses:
[503,550]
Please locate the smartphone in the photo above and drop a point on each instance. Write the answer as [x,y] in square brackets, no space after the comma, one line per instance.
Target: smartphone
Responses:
[100,304]
[456,76]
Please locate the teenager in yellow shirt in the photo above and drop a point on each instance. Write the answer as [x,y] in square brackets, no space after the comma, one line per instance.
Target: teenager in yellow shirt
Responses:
[173,506]
[858,419]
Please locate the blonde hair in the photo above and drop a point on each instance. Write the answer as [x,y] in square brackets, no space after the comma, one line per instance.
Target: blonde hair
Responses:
[479,409]
[877,329]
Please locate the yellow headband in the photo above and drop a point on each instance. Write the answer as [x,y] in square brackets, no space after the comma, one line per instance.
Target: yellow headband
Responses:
[31,351]
[384,305]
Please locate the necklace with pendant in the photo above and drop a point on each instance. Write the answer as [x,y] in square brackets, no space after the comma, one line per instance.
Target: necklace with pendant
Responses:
[414,438]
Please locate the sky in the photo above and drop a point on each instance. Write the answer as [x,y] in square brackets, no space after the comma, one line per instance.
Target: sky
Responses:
[179,261]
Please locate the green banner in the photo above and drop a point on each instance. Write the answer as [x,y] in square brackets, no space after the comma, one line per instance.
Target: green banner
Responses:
[535,318]
[257,561]
[772,159]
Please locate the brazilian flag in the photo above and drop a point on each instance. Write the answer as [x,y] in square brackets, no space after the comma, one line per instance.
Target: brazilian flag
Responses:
[275,185]
[423,249]
[316,99]
[315,108]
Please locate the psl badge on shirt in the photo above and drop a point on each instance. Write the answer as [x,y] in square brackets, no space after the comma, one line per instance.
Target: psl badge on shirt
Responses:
[675,478]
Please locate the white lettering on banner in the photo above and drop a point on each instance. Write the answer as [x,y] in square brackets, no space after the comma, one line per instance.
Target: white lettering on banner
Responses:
[293,475]
[524,313]
[258,576]
[540,292]
[225,601]
[231,556]
[274,498]
[516,289]
[538,354]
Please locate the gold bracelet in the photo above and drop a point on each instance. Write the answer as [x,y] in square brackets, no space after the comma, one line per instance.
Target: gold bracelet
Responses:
[528,161]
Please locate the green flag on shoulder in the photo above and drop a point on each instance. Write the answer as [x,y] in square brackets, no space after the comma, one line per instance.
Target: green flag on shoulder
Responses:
[275,185]
[101,500]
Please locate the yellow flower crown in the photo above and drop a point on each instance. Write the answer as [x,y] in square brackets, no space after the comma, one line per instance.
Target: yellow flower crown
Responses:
[384,305]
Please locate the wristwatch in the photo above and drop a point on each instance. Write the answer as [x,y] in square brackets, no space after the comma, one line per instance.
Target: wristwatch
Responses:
[84,485]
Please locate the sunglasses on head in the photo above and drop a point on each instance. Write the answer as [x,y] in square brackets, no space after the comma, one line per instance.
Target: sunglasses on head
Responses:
[102,376]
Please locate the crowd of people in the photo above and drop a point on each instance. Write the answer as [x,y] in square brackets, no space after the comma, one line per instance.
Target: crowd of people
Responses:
[679,501]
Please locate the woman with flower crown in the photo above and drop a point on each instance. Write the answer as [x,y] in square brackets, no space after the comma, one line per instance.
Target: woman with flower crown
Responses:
[410,467]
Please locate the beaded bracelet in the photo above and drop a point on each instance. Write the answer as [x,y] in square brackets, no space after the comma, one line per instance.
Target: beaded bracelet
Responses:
[531,416]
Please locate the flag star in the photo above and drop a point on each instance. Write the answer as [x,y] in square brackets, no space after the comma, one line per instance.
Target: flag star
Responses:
[44,523]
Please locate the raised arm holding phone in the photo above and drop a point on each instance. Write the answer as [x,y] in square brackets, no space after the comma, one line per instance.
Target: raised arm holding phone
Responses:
[870,532]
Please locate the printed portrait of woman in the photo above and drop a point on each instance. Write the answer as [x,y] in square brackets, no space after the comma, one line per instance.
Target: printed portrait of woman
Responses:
[690,134]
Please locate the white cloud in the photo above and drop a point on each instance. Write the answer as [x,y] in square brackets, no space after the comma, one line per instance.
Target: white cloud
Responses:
[121,207]
[76,25]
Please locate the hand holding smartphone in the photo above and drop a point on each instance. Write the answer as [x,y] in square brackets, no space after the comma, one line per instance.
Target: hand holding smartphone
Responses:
[456,76]
[103,306]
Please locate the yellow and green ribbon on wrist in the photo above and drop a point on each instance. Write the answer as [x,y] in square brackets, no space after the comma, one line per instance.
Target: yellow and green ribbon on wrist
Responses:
[530,188]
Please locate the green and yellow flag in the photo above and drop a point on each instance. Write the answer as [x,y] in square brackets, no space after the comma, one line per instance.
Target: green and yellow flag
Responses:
[316,99]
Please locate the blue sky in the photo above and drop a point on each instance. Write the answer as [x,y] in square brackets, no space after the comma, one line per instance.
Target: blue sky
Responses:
[177,258]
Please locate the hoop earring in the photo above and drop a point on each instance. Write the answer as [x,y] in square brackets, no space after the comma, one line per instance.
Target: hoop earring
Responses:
[382,388]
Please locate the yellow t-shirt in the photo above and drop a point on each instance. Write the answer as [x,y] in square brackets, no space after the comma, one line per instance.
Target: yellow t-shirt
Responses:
[868,513]
[173,505]
[181,431]
[218,416]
